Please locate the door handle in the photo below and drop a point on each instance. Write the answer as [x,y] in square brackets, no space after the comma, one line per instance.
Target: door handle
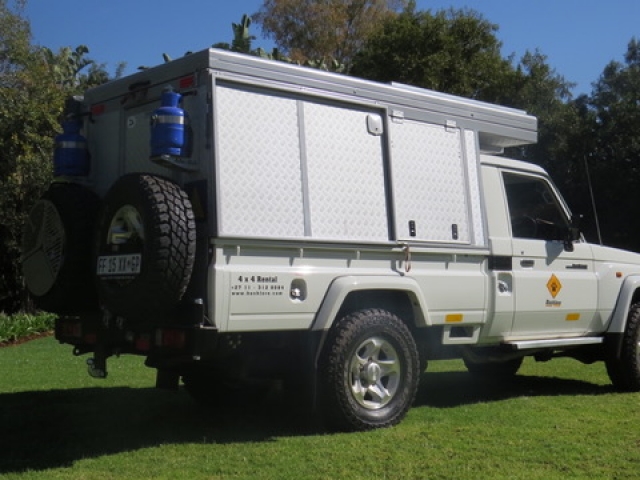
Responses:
[527,263]
[578,266]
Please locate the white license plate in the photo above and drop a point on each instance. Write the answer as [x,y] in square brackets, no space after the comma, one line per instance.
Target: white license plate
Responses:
[119,264]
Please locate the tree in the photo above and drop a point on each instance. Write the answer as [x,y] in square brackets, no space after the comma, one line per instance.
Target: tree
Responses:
[453,51]
[323,30]
[242,43]
[22,121]
[242,38]
[611,115]
[457,51]
[34,83]
[563,135]
[536,87]
[73,71]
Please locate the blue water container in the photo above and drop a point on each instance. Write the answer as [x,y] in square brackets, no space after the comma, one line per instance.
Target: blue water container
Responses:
[70,157]
[168,127]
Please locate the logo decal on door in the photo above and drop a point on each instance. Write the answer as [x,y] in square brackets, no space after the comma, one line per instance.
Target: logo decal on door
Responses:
[554,286]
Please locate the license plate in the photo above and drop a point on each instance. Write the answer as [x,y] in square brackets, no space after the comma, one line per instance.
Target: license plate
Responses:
[109,265]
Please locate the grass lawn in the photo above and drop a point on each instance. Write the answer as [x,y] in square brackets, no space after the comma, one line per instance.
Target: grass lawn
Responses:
[556,420]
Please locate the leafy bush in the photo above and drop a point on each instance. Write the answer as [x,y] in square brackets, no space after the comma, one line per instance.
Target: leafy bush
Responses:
[34,83]
[14,327]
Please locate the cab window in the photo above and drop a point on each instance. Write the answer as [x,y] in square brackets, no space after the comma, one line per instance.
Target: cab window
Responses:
[534,209]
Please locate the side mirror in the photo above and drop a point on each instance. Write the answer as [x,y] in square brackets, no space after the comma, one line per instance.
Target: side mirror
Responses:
[573,233]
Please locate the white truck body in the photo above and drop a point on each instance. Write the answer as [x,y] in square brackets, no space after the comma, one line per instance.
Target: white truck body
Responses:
[317,195]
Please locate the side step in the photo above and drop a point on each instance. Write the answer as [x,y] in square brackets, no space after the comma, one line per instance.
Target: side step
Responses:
[554,343]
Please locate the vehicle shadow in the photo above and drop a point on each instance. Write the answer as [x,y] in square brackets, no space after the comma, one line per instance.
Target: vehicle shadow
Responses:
[452,389]
[49,429]
[52,429]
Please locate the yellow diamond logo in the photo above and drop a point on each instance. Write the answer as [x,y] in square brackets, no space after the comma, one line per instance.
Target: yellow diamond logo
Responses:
[554,286]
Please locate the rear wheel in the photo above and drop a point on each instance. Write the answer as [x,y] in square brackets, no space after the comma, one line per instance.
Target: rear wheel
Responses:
[146,246]
[624,371]
[369,371]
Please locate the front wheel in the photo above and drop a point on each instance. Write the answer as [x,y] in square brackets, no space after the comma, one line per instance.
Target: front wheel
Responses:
[369,371]
[624,371]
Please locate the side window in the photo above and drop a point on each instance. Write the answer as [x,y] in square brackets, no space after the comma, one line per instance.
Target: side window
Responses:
[534,209]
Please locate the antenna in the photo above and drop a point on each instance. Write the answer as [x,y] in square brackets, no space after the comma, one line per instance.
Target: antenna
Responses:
[593,200]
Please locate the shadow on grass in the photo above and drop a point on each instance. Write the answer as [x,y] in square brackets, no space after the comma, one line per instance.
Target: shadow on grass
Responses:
[51,429]
[452,389]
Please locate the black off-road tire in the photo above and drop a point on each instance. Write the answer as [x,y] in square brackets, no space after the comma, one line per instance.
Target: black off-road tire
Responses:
[151,216]
[367,353]
[57,247]
[624,371]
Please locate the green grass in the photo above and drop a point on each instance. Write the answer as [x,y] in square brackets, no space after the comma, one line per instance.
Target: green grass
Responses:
[14,327]
[557,420]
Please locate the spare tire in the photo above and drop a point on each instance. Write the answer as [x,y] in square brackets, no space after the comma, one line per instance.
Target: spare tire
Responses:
[145,248]
[57,245]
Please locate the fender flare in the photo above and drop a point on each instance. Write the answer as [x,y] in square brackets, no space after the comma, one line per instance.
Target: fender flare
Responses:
[614,335]
[341,287]
[621,310]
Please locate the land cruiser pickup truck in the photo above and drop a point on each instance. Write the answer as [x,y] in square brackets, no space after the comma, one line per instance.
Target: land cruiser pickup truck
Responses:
[229,217]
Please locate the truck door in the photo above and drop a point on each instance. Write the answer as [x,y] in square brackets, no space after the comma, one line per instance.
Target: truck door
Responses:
[554,286]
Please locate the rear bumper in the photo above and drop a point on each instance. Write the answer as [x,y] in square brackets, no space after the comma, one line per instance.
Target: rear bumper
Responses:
[164,346]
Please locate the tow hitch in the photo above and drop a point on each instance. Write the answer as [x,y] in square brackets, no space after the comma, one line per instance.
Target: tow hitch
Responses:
[97,368]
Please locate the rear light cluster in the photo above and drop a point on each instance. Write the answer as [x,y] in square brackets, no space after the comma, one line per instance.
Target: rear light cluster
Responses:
[165,338]
[171,338]
[73,331]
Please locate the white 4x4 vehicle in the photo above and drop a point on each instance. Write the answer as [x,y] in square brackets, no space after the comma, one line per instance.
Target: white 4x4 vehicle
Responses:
[229,217]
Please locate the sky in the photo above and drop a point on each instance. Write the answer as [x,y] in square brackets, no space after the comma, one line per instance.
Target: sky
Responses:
[579,37]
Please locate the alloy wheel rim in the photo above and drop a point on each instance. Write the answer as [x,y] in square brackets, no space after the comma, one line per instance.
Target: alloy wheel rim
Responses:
[375,373]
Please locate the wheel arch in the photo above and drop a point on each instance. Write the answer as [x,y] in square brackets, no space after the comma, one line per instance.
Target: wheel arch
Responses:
[401,296]
[629,295]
